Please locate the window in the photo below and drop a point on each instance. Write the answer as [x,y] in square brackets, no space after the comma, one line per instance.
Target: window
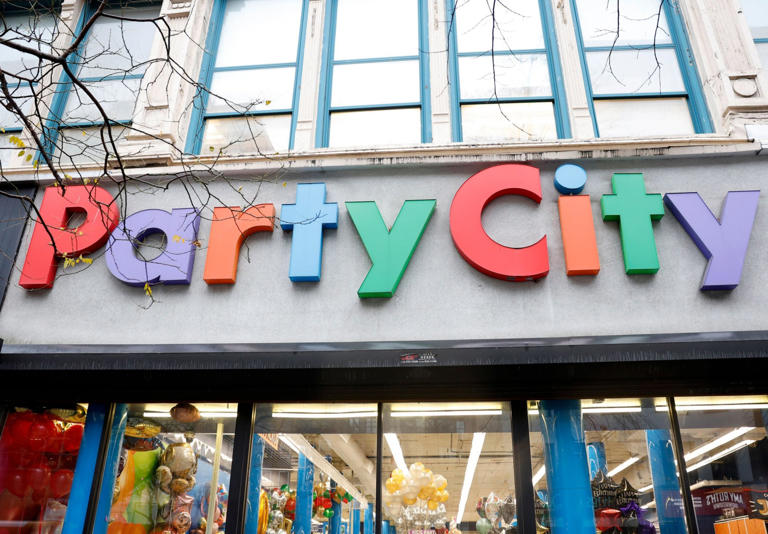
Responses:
[110,64]
[504,72]
[638,70]
[253,69]
[756,12]
[374,88]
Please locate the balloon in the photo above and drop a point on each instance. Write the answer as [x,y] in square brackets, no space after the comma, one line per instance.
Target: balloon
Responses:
[432,504]
[40,432]
[38,477]
[392,485]
[426,492]
[17,427]
[285,487]
[16,482]
[483,526]
[443,495]
[328,513]
[440,482]
[492,507]
[61,482]
[409,500]
[411,490]
[73,435]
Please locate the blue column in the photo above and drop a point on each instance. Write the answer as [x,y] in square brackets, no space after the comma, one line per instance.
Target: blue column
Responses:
[305,480]
[355,518]
[74,521]
[384,526]
[565,456]
[116,434]
[254,486]
[368,519]
[334,524]
[392,529]
[596,458]
[666,490]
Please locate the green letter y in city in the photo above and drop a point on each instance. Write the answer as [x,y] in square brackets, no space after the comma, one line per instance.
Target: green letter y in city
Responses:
[634,209]
[389,250]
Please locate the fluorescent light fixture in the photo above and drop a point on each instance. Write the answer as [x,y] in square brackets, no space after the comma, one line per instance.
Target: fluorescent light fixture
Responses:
[623,465]
[321,415]
[539,475]
[606,409]
[646,488]
[647,505]
[478,438]
[443,413]
[713,407]
[291,445]
[396,450]
[724,452]
[219,415]
[722,440]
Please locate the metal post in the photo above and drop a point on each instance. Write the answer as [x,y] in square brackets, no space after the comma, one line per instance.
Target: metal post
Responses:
[521,452]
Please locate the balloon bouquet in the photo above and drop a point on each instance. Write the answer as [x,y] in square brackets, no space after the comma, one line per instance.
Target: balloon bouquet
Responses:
[415,499]
[282,510]
[496,516]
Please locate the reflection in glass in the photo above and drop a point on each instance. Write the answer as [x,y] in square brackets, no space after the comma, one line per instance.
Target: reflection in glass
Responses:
[641,116]
[757,17]
[634,71]
[86,145]
[116,97]
[313,466]
[393,82]
[251,90]
[604,464]
[375,127]
[516,26]
[726,456]
[448,463]
[38,456]
[259,134]
[519,121]
[173,469]
[635,22]
[33,31]
[374,29]
[504,76]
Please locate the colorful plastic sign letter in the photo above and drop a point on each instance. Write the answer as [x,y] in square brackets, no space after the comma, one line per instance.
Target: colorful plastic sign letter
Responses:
[307,218]
[59,204]
[173,265]
[634,209]
[475,246]
[229,228]
[576,223]
[390,250]
[724,243]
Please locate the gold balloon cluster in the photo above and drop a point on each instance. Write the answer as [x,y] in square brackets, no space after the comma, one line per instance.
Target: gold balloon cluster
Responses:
[405,488]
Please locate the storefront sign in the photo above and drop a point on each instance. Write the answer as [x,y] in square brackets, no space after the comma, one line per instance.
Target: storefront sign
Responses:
[722,241]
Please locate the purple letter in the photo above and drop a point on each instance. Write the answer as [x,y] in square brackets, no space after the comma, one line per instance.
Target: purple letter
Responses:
[723,242]
[173,265]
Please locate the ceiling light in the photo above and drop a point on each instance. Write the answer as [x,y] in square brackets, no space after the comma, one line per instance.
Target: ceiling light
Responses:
[725,438]
[321,415]
[397,451]
[443,413]
[606,409]
[713,407]
[539,475]
[646,488]
[647,505]
[729,450]
[478,438]
[166,415]
[622,466]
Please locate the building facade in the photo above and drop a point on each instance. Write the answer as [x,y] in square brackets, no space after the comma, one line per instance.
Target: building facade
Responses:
[403,266]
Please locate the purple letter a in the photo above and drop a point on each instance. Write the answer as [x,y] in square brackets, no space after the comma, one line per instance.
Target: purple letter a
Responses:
[723,242]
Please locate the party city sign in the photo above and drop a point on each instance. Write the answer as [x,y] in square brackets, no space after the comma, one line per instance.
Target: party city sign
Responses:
[723,242]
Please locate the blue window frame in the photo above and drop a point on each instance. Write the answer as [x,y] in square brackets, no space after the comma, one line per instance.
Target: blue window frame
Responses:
[252,70]
[638,69]
[374,82]
[504,71]
[756,13]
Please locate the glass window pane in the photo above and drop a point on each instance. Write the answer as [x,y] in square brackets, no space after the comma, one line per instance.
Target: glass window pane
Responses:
[756,13]
[618,452]
[117,97]
[85,146]
[38,455]
[301,449]
[639,117]
[515,121]
[517,25]
[257,32]
[372,28]
[634,71]
[118,47]
[22,95]
[726,456]
[251,90]
[762,52]
[448,461]
[34,31]
[246,135]
[637,22]
[515,76]
[375,127]
[165,477]
[375,83]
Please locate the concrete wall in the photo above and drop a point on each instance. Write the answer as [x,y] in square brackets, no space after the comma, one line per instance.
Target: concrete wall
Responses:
[440,296]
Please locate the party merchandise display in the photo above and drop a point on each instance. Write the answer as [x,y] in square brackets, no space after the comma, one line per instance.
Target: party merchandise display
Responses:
[616,507]
[415,499]
[38,454]
[278,520]
[497,516]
